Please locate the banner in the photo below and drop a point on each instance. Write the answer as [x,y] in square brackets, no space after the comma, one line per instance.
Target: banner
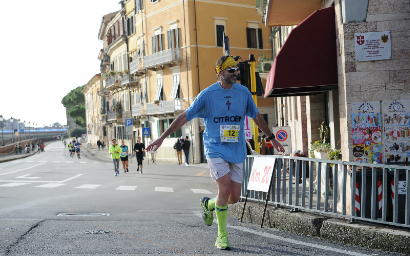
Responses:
[261,174]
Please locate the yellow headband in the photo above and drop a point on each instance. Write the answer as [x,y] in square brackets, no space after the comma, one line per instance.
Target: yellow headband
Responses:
[229,62]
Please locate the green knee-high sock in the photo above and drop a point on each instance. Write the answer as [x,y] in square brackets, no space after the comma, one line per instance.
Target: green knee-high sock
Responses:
[211,204]
[221,214]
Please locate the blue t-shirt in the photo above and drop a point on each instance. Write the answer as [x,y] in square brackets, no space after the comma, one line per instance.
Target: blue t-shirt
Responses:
[77,145]
[219,106]
[124,151]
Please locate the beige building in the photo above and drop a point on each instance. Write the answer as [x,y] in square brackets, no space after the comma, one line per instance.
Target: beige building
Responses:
[332,71]
[92,98]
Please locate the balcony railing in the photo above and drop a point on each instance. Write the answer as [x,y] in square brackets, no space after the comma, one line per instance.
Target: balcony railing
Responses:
[136,109]
[265,62]
[127,78]
[169,106]
[162,58]
[126,114]
[111,115]
[136,66]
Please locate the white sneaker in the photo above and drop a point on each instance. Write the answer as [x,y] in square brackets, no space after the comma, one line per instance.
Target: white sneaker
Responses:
[186,164]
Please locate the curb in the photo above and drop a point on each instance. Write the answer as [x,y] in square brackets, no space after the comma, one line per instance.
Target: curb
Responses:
[366,235]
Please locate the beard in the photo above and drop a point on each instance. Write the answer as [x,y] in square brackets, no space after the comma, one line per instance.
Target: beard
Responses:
[230,78]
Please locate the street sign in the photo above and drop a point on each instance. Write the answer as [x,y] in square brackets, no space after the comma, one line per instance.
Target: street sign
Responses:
[261,174]
[282,135]
[128,126]
[145,131]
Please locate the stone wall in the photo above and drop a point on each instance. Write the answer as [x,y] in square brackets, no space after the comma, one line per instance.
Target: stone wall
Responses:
[372,80]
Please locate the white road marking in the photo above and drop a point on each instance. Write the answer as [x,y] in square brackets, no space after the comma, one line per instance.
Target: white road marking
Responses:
[50,185]
[56,161]
[21,169]
[70,178]
[26,177]
[163,189]
[108,163]
[96,162]
[70,162]
[10,185]
[288,240]
[83,162]
[29,161]
[43,161]
[89,186]
[201,191]
[126,188]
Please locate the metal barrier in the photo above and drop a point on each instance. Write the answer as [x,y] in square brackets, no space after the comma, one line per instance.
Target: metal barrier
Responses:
[346,192]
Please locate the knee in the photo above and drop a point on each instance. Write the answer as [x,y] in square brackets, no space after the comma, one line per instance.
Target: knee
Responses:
[225,190]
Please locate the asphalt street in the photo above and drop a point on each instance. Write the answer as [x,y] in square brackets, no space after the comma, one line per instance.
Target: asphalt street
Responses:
[52,204]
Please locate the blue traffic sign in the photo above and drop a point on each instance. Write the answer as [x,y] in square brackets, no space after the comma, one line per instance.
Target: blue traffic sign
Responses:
[145,131]
[128,122]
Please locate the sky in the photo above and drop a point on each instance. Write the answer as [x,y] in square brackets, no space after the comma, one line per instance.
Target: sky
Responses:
[48,49]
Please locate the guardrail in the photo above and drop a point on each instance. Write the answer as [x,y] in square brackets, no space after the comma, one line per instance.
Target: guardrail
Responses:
[376,194]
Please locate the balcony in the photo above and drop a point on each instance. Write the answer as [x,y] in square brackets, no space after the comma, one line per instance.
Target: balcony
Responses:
[111,116]
[127,79]
[137,67]
[104,119]
[164,107]
[126,114]
[166,57]
[112,82]
[136,109]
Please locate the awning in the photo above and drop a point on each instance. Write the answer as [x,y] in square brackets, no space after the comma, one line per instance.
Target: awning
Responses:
[307,62]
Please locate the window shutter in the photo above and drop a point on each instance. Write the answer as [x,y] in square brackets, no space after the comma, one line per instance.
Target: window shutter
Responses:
[219,33]
[126,27]
[248,37]
[133,24]
[141,4]
[176,39]
[169,39]
[146,94]
[260,38]
[137,6]
[140,99]
[159,128]
[160,42]
[153,44]
[165,124]
[143,48]
[125,61]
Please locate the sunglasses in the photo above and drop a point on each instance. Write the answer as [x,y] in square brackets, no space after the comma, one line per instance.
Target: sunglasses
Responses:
[232,70]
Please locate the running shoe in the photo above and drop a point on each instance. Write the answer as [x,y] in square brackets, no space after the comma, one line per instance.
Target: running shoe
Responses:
[115,174]
[208,215]
[222,242]
[138,169]
[127,169]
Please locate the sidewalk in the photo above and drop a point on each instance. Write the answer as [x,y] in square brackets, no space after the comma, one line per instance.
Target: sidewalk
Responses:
[14,156]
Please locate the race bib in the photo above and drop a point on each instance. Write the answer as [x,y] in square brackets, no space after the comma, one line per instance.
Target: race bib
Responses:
[124,154]
[229,133]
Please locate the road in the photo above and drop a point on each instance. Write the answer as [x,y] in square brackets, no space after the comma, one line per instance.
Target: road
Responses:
[53,204]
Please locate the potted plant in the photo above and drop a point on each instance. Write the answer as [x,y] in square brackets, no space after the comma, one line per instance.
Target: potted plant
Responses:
[126,71]
[120,73]
[320,150]
[335,155]
[156,102]
[112,73]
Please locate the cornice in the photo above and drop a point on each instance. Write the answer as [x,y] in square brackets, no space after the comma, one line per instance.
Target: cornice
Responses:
[112,47]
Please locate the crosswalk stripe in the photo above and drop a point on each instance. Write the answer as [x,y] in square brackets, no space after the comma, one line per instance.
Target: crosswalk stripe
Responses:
[83,162]
[96,162]
[164,189]
[88,186]
[56,161]
[201,191]
[10,185]
[29,161]
[126,188]
[69,162]
[50,185]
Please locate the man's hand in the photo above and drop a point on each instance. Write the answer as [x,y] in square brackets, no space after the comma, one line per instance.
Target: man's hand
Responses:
[277,145]
[154,145]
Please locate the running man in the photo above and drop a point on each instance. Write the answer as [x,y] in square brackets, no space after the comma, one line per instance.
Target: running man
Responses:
[223,106]
[65,143]
[77,148]
[115,151]
[139,153]
[70,146]
[124,156]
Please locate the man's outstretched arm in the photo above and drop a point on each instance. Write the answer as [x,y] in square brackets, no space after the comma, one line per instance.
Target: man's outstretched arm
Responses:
[175,125]
[260,122]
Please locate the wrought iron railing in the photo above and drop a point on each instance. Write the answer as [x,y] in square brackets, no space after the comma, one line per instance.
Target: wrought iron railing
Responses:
[136,109]
[163,107]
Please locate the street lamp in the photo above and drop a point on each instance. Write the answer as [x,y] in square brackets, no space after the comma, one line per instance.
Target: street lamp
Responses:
[12,129]
[1,120]
[29,129]
[18,129]
[24,129]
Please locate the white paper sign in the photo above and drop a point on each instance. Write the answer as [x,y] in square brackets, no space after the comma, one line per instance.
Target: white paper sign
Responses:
[402,187]
[372,46]
[261,174]
[248,128]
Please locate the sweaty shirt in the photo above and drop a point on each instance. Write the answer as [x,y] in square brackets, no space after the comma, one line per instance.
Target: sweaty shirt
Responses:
[219,106]
[124,151]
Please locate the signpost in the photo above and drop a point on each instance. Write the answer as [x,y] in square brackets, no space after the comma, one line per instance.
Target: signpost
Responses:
[145,131]
[260,179]
[282,134]
[128,127]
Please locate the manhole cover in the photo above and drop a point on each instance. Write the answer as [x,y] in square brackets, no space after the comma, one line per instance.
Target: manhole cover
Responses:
[93,214]
[93,232]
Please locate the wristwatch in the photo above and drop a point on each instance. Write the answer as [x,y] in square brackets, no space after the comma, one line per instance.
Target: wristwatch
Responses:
[270,137]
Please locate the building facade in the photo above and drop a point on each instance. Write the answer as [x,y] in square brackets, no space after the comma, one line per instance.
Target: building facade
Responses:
[359,77]
[92,98]
[171,48]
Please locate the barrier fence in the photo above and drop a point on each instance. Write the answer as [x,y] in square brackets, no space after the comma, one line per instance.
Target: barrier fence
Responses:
[358,191]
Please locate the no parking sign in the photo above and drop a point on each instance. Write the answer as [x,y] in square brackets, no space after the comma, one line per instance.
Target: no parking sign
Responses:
[282,134]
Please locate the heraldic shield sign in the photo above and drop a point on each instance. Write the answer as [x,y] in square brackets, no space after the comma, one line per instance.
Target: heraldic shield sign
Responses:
[373,46]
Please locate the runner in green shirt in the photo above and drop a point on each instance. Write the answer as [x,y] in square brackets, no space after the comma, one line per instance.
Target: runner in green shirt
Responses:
[115,151]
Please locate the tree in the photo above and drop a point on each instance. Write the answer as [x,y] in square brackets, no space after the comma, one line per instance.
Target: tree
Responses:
[56,125]
[75,102]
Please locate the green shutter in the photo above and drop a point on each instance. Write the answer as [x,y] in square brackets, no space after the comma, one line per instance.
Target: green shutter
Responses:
[248,37]
[159,128]
[260,38]
[178,133]
[170,122]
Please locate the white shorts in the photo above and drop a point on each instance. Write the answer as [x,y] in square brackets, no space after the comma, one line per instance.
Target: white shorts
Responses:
[220,168]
